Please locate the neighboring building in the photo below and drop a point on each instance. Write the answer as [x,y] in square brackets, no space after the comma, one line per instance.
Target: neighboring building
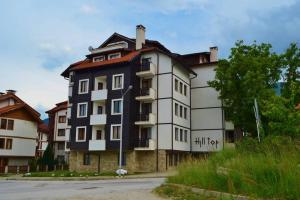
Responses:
[42,139]
[18,130]
[169,113]
[58,131]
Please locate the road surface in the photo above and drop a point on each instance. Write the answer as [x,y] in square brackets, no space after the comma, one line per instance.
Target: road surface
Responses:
[125,189]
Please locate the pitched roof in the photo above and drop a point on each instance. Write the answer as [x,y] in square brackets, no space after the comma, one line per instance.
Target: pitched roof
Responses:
[22,105]
[89,64]
[43,128]
[59,106]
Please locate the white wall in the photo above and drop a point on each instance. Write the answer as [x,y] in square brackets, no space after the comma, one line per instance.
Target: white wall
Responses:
[165,111]
[165,136]
[20,147]
[206,112]
[59,125]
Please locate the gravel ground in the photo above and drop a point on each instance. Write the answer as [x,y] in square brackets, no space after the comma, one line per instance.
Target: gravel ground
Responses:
[115,189]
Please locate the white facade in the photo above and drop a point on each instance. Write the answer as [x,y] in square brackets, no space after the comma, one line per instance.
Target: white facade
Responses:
[206,112]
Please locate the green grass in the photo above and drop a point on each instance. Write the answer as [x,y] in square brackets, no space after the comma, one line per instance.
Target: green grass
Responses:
[68,174]
[267,170]
[179,193]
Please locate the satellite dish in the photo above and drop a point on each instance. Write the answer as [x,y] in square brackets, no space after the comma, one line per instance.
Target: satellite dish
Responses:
[91,48]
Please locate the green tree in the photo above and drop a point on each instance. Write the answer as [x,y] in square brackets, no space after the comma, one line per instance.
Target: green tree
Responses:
[250,72]
[291,75]
[48,157]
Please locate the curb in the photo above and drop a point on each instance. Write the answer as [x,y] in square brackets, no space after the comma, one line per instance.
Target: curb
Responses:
[213,193]
[78,178]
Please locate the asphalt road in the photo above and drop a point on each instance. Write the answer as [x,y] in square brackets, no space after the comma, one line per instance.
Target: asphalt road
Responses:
[74,190]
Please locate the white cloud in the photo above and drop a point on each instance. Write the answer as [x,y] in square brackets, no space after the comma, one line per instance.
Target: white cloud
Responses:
[88,9]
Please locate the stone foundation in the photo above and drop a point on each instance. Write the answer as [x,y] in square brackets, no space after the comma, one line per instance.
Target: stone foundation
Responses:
[107,161]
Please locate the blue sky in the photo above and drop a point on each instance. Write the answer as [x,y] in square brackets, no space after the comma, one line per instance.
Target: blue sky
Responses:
[39,39]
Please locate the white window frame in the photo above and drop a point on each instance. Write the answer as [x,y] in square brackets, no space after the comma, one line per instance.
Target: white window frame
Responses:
[113,82]
[112,106]
[111,132]
[118,55]
[102,58]
[87,88]
[78,127]
[78,109]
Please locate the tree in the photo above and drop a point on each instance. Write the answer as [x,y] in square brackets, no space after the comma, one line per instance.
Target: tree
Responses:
[250,72]
[48,157]
[291,74]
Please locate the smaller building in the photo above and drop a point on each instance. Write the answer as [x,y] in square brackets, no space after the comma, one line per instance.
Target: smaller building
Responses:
[58,128]
[42,140]
[18,131]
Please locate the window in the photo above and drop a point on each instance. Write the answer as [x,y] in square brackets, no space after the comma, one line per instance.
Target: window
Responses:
[180,111]
[80,134]
[185,113]
[8,144]
[229,136]
[7,124]
[86,159]
[98,58]
[176,109]
[176,85]
[83,86]
[117,81]
[116,107]
[181,135]
[10,124]
[99,110]
[61,119]
[2,143]
[185,90]
[114,55]
[185,135]
[82,110]
[61,132]
[100,86]
[115,132]
[61,146]
[3,123]
[180,87]
[176,134]
[99,135]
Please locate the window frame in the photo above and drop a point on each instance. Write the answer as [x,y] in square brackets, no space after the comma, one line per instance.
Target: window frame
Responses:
[176,84]
[87,86]
[58,135]
[5,124]
[111,132]
[78,109]
[185,135]
[176,133]
[109,55]
[185,111]
[97,57]
[176,109]
[77,131]
[114,84]
[62,117]
[112,107]
[3,143]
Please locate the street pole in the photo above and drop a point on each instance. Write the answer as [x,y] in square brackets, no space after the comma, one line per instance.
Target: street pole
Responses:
[121,130]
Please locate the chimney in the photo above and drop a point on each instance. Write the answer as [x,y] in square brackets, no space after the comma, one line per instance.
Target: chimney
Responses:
[11,91]
[213,54]
[140,36]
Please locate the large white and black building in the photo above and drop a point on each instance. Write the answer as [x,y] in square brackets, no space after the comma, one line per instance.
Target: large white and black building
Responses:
[170,112]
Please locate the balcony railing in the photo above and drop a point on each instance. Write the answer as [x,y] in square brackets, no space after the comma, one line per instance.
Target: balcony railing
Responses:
[146,69]
[98,119]
[99,95]
[145,119]
[146,94]
[144,144]
[141,143]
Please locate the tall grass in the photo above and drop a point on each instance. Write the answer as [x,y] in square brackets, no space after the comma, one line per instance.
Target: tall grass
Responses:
[270,169]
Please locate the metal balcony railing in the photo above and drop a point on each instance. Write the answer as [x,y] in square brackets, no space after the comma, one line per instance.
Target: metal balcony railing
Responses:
[142,143]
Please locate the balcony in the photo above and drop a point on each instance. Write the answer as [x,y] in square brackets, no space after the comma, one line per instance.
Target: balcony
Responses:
[146,119]
[144,144]
[99,95]
[98,119]
[146,95]
[97,145]
[147,69]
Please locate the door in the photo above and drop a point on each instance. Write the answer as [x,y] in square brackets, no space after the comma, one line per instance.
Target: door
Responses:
[99,110]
